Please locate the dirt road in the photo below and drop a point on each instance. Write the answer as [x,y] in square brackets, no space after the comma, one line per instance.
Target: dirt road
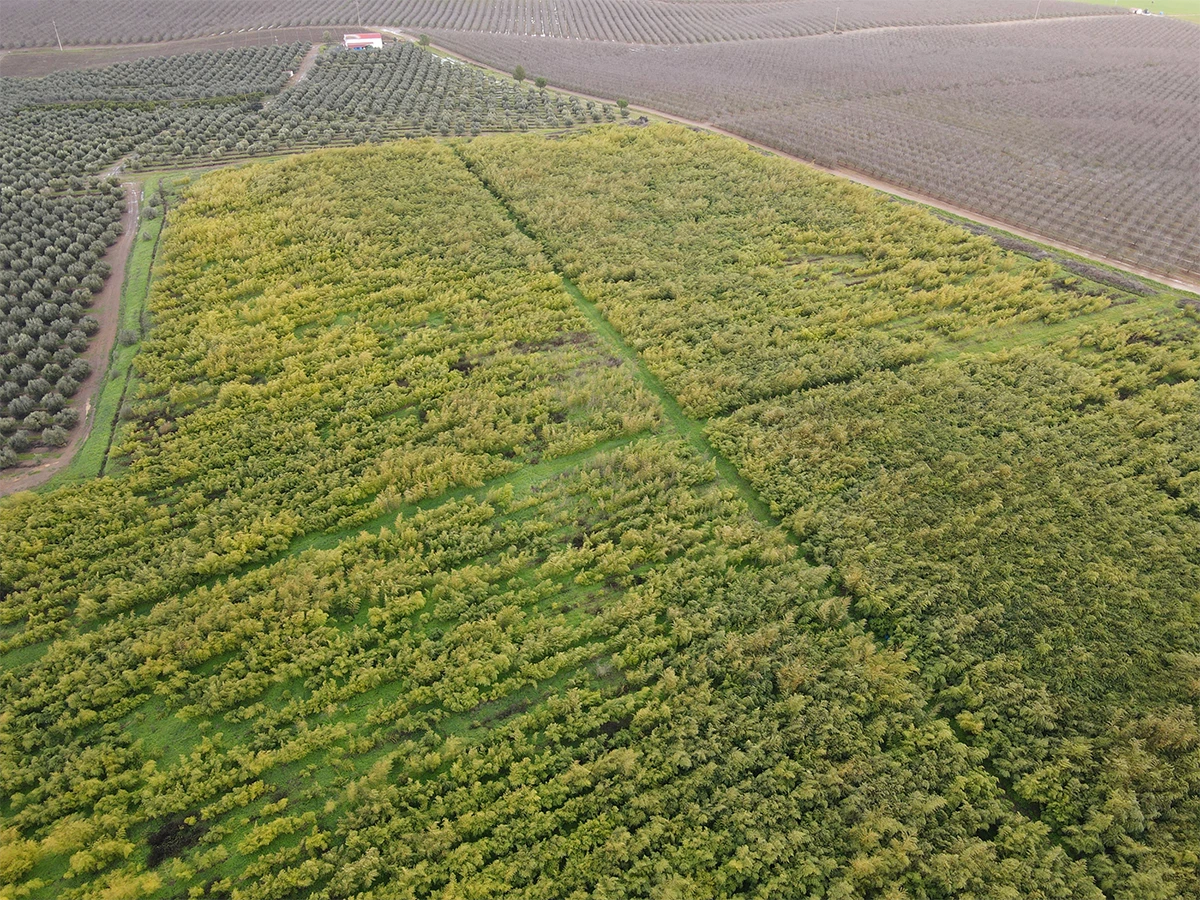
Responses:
[300,73]
[107,309]
[305,64]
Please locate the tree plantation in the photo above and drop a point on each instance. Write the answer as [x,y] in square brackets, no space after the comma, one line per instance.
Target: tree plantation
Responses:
[201,107]
[59,132]
[50,266]
[622,514]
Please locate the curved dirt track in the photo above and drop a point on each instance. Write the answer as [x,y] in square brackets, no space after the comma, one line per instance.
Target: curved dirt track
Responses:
[107,309]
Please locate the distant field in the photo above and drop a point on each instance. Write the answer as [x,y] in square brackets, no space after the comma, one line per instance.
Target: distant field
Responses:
[47,60]
[1080,130]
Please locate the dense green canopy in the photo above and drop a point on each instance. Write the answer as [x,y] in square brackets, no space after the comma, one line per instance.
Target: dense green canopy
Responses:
[622,515]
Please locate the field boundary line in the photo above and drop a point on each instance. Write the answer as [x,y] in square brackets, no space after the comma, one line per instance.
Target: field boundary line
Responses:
[690,429]
[108,307]
[331,538]
[1173,281]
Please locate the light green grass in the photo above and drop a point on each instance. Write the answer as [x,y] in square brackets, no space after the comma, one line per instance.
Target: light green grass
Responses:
[91,460]
[1182,9]
[1043,333]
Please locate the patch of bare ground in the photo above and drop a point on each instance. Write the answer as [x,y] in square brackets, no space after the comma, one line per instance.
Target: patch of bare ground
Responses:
[107,310]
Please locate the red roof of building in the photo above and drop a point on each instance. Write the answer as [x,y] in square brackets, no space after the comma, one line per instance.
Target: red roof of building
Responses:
[362,37]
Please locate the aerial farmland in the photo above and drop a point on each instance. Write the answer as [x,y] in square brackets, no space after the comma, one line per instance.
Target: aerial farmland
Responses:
[599,448]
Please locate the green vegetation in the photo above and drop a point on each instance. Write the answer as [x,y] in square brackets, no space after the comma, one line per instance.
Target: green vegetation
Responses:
[57,133]
[232,105]
[622,515]
[90,459]
[1182,9]
[404,90]
[67,126]
[1022,522]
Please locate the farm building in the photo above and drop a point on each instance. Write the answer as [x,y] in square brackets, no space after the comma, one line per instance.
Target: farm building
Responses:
[363,41]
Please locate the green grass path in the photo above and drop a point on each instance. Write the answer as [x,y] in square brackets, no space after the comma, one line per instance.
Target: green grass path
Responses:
[690,429]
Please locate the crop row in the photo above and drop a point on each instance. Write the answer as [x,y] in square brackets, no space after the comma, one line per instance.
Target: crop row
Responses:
[31,23]
[261,70]
[431,599]
[404,87]
[50,266]
[1080,130]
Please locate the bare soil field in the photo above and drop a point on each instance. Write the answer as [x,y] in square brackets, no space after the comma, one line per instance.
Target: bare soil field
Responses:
[1081,131]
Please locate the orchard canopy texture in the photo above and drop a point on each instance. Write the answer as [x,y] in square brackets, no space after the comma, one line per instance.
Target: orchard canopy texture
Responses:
[770,538]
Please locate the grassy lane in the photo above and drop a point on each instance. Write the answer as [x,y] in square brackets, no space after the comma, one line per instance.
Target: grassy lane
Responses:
[690,429]
[92,457]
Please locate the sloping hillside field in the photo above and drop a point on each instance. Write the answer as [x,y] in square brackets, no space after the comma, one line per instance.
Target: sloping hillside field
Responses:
[624,514]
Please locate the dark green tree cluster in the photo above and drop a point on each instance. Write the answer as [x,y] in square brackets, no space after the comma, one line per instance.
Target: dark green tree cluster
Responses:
[228,73]
[50,266]
[59,129]
[205,106]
